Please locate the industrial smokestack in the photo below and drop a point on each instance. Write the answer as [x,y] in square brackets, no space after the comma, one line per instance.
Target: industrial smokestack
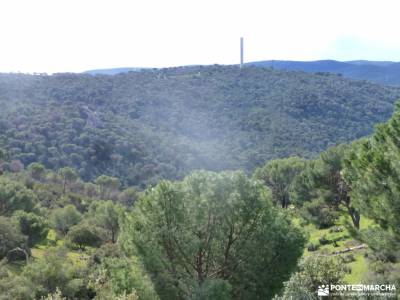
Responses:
[241,52]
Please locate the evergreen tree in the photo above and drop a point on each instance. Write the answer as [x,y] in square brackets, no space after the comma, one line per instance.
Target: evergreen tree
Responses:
[216,231]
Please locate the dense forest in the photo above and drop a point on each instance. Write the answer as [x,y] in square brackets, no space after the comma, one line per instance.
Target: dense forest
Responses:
[164,123]
[196,183]
[383,72]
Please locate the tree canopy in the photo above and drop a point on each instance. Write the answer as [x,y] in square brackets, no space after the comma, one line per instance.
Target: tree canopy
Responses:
[373,173]
[279,175]
[213,230]
[15,196]
[162,124]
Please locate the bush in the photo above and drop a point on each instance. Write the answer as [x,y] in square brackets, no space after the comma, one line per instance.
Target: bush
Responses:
[13,286]
[348,258]
[324,241]
[57,295]
[314,270]
[105,250]
[55,271]
[319,213]
[33,226]
[312,247]
[10,237]
[385,244]
[335,229]
[121,278]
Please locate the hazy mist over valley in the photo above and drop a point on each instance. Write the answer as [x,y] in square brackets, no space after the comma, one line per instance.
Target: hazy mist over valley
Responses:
[164,123]
[199,150]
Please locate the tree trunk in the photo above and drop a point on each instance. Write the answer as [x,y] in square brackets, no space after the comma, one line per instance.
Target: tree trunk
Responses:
[113,236]
[199,267]
[285,202]
[355,216]
[64,186]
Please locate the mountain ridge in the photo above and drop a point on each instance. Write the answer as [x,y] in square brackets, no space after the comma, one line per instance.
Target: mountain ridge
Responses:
[382,72]
[385,72]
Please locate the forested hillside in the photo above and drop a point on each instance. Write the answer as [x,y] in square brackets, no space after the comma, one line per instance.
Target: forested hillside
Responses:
[383,72]
[151,124]
[332,220]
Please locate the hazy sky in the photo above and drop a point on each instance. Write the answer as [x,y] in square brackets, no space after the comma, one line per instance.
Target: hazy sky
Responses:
[76,35]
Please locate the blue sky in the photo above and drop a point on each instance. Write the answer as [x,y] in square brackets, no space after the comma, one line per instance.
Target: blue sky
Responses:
[72,36]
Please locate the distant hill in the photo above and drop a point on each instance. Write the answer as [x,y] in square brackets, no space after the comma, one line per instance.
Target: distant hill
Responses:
[384,72]
[112,71]
[162,123]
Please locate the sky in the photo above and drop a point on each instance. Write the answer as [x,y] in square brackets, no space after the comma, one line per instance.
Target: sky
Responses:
[77,35]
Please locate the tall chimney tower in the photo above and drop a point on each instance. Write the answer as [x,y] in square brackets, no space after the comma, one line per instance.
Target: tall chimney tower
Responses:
[241,52]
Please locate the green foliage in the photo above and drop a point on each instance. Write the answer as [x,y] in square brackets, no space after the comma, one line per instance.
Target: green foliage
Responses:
[33,226]
[57,295]
[385,73]
[210,236]
[118,276]
[214,289]
[322,182]
[105,250]
[128,196]
[114,276]
[314,271]
[312,247]
[319,213]
[322,178]
[386,244]
[278,175]
[3,155]
[14,286]
[212,226]
[373,173]
[162,124]
[66,217]
[36,171]
[55,271]
[108,185]
[107,214]
[68,176]
[84,235]
[10,237]
[14,196]
[3,158]
[382,272]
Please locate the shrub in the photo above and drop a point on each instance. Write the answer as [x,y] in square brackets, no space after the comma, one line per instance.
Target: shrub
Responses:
[335,229]
[33,226]
[319,213]
[348,258]
[324,241]
[314,270]
[10,237]
[312,247]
